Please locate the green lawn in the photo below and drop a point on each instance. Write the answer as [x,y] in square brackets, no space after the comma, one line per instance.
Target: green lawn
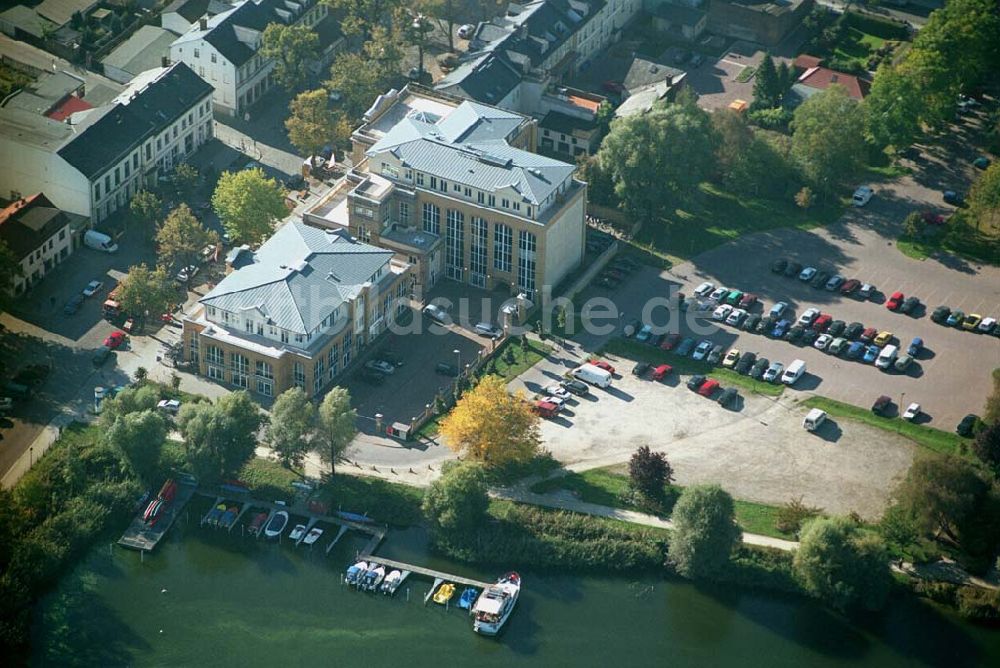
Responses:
[746,74]
[715,217]
[856,46]
[962,239]
[12,80]
[933,439]
[636,351]
[608,486]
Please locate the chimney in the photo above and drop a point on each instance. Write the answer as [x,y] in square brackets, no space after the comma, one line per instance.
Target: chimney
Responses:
[164,61]
[203,23]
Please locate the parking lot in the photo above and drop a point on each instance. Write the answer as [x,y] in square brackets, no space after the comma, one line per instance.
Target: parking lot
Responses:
[757,451]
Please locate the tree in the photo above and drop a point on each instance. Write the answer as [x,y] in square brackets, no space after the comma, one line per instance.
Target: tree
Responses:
[892,109]
[185,178]
[335,426]
[489,425]
[219,438]
[128,401]
[417,33]
[360,17]
[181,238]
[987,446]
[293,419]
[658,158]
[146,208]
[445,13]
[456,503]
[139,436]
[141,375]
[248,203]
[705,531]
[648,472]
[842,564]
[362,77]
[984,198]
[898,529]
[827,140]
[804,198]
[941,494]
[10,268]
[767,91]
[146,291]
[311,123]
[293,48]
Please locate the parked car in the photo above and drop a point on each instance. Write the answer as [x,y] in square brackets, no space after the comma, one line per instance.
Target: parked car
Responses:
[987,325]
[909,306]
[821,323]
[835,282]
[822,342]
[661,371]
[373,377]
[778,309]
[820,279]
[971,321]
[101,356]
[855,350]
[781,329]
[967,425]
[850,286]
[779,265]
[982,162]
[574,386]
[445,369]
[728,397]
[716,355]
[645,333]
[557,391]
[838,346]
[545,409]
[670,341]
[795,333]
[731,358]
[773,373]
[437,313]
[381,366]
[735,317]
[718,294]
[903,362]
[916,345]
[734,297]
[952,197]
[722,312]
[862,195]
[836,328]
[807,274]
[871,354]
[746,363]
[466,31]
[704,289]
[684,348]
[750,324]
[895,301]
[853,330]
[759,367]
[765,325]
[866,291]
[601,364]
[640,369]
[793,269]
[708,388]
[747,301]
[169,406]
[809,336]
[881,405]
[955,318]
[186,273]
[702,350]
[807,318]
[74,304]
[912,412]
[115,340]
[488,330]
[883,338]
[92,288]
[868,335]
[696,381]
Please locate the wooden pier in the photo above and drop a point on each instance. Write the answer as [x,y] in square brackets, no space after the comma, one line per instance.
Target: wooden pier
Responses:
[437,576]
[141,536]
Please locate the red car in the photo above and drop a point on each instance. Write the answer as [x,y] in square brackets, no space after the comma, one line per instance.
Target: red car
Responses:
[545,409]
[932,218]
[868,334]
[850,286]
[895,301]
[708,388]
[822,322]
[115,340]
[661,371]
[748,301]
[670,341]
[601,364]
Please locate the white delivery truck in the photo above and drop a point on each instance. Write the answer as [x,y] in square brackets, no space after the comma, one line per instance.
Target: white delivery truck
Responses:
[594,375]
[886,358]
[814,419]
[793,372]
[99,241]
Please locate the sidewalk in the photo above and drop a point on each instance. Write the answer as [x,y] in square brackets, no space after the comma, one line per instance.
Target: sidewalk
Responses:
[42,442]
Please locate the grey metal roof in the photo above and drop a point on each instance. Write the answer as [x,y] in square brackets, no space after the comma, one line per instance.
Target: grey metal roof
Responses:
[469,147]
[142,51]
[299,277]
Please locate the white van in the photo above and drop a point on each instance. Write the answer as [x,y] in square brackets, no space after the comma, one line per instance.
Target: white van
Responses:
[99,241]
[594,375]
[862,195]
[814,419]
[793,372]
[886,358]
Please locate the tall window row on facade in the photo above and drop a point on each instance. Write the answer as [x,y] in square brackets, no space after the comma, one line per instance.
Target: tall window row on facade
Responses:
[455,245]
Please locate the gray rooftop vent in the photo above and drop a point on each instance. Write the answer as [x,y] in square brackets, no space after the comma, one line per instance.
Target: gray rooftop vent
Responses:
[497,160]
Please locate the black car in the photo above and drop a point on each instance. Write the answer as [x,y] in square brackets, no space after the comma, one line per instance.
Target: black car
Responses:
[696,381]
[836,328]
[853,331]
[750,324]
[101,356]
[793,269]
[881,405]
[746,363]
[728,397]
[779,265]
[74,304]
[640,369]
[392,357]
[759,367]
[445,369]
[766,325]
[809,337]
[373,377]
[820,279]
[716,355]
[940,314]
[657,339]
[967,425]
[909,305]
[574,386]
[795,333]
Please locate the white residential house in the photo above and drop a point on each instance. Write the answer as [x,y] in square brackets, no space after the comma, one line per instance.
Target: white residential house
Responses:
[39,235]
[93,160]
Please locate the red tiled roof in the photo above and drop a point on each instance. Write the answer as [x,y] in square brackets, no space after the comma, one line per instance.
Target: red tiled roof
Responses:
[806,62]
[821,78]
[70,105]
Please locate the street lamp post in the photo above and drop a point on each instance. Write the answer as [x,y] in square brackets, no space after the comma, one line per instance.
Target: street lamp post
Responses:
[458,358]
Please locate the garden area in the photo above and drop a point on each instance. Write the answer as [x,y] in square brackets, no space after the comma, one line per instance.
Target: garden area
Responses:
[853,42]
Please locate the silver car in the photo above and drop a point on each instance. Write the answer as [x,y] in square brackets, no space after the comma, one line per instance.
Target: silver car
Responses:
[773,372]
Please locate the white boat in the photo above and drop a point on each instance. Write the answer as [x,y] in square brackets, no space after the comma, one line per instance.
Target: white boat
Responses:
[392,582]
[355,572]
[494,605]
[312,536]
[277,524]
[297,532]
[377,575]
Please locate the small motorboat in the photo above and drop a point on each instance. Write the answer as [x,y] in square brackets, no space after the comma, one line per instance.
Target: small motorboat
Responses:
[214,515]
[227,518]
[494,606]
[468,598]
[355,572]
[312,536]
[368,578]
[277,524]
[377,575]
[297,532]
[392,582]
[444,593]
[257,523]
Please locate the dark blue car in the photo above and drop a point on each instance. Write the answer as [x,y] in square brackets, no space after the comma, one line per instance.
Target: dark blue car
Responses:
[854,352]
[916,345]
[685,347]
[781,328]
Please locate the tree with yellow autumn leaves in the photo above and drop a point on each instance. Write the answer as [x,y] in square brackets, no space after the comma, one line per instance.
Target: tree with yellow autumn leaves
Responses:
[489,425]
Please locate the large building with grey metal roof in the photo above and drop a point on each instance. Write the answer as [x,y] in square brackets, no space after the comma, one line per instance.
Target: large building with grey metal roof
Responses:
[297,312]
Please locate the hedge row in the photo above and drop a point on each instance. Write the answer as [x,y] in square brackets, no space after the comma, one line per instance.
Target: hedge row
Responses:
[877,25]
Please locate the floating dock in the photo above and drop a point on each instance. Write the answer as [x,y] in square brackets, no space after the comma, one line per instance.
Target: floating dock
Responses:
[141,536]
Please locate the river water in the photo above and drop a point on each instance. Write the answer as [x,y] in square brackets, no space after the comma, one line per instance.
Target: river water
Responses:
[210,599]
